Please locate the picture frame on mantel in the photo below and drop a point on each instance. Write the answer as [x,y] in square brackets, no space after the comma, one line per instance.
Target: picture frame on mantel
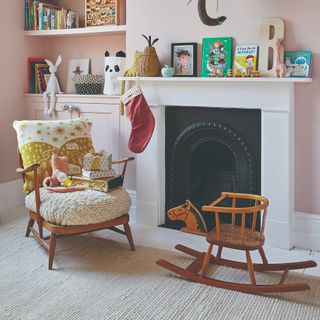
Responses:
[102,12]
[184,59]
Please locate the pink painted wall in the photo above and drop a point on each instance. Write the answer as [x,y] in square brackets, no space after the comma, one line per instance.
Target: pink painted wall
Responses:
[13,54]
[172,21]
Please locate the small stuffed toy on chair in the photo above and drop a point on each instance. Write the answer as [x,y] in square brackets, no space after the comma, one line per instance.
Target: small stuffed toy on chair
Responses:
[59,181]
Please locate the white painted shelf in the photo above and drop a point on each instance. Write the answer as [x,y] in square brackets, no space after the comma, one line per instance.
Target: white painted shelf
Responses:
[88,31]
[225,79]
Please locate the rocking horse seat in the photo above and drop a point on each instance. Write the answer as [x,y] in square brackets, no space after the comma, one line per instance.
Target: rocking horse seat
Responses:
[230,236]
[80,208]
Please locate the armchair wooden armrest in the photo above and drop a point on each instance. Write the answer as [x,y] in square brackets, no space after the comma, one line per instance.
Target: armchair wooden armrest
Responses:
[33,168]
[125,162]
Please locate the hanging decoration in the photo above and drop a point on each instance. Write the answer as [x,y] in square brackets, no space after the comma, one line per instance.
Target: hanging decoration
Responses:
[204,16]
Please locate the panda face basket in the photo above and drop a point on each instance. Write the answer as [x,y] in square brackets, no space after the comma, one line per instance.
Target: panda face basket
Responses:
[88,84]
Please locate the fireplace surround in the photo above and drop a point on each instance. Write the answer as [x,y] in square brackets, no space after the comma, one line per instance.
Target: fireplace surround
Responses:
[275,100]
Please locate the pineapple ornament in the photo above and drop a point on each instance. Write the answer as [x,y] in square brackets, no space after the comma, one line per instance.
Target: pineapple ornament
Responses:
[150,64]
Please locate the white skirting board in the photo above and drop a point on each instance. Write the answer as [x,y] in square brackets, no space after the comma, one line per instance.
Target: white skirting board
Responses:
[11,200]
[133,209]
[306,233]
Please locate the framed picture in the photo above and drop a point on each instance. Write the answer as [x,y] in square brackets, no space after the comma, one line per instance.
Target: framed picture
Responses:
[37,70]
[102,12]
[184,59]
[76,67]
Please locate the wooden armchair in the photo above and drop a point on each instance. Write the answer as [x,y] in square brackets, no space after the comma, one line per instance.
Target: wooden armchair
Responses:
[57,230]
[241,234]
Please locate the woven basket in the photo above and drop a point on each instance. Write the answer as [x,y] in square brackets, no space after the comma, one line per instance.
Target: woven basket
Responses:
[88,84]
[150,64]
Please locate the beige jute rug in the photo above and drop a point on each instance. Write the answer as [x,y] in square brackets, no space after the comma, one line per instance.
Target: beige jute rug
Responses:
[97,278]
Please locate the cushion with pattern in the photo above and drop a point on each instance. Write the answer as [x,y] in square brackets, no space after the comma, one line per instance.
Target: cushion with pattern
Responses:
[38,140]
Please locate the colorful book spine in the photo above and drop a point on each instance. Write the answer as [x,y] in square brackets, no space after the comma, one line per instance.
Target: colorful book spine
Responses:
[43,16]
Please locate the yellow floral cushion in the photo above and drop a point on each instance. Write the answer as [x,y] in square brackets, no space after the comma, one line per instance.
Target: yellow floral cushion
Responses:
[39,140]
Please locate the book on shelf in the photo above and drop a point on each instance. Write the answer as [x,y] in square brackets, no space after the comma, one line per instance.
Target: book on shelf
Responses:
[245,59]
[298,64]
[216,56]
[45,16]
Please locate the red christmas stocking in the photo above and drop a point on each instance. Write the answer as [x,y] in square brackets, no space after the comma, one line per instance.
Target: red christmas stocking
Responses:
[141,117]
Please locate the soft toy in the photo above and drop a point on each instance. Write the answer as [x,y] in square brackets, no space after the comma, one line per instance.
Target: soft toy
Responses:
[132,72]
[53,87]
[59,173]
[114,67]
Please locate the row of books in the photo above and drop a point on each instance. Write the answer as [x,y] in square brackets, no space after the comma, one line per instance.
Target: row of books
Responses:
[218,58]
[44,16]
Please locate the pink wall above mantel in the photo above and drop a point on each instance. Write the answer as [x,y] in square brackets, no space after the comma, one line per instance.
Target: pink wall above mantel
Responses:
[172,21]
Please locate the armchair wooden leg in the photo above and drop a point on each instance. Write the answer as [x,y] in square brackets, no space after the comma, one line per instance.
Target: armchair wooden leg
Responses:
[40,227]
[52,248]
[127,230]
[30,225]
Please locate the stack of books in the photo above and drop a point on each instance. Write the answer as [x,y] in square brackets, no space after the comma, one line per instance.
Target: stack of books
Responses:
[44,16]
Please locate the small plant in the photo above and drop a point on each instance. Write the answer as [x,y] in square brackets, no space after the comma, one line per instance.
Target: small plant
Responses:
[149,40]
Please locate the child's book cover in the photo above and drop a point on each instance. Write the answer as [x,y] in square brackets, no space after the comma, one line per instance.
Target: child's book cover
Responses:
[216,56]
[298,64]
[245,59]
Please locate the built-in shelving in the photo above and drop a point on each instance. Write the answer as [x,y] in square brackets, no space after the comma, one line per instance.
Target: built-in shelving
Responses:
[88,31]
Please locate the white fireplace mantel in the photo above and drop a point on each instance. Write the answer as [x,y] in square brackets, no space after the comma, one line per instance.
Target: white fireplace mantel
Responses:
[275,99]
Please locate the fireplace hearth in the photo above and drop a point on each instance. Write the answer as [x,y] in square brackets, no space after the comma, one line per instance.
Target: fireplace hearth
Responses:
[209,151]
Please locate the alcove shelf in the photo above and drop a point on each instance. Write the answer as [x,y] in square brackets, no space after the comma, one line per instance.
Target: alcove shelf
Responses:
[88,31]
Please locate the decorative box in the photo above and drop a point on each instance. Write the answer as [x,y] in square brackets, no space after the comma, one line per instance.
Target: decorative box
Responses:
[100,161]
[88,84]
[98,174]
[104,185]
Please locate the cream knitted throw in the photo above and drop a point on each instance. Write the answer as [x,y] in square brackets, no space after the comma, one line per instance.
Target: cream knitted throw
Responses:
[81,208]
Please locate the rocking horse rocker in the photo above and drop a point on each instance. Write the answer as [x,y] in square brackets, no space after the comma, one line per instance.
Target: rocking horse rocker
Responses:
[235,236]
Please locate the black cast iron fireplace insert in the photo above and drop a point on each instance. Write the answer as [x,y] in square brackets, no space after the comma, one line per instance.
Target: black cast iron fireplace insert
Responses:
[210,150]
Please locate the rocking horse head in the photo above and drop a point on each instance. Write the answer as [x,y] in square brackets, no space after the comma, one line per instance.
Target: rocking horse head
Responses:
[204,16]
[191,216]
[178,213]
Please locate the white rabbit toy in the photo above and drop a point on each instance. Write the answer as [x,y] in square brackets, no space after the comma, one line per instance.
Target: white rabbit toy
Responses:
[53,87]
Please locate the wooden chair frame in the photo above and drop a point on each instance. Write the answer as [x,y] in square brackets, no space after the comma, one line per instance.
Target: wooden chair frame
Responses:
[57,231]
[247,239]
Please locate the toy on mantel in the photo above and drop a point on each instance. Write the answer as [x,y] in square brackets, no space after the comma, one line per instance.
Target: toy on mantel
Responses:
[53,87]
[279,67]
[150,64]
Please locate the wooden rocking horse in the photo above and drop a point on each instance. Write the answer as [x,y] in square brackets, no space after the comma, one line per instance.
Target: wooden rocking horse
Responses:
[239,237]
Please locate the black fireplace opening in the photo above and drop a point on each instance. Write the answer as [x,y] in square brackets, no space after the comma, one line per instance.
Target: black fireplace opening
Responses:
[208,151]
